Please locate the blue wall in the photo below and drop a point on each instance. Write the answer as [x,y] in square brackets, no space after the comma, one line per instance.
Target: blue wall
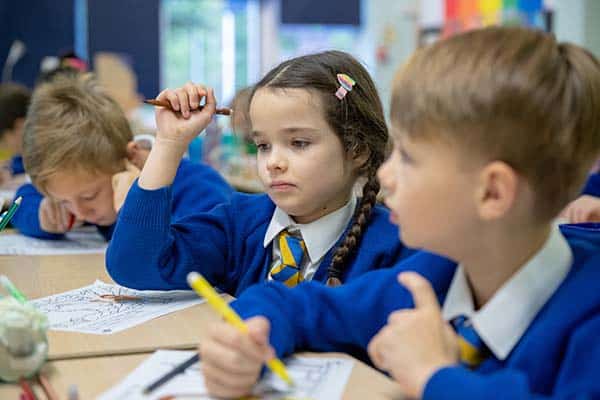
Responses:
[46,28]
[130,27]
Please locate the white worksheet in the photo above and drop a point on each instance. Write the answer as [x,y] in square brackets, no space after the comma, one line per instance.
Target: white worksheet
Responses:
[84,310]
[314,378]
[84,241]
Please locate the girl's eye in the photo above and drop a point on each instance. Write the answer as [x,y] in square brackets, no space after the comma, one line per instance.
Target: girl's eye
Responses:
[262,147]
[300,144]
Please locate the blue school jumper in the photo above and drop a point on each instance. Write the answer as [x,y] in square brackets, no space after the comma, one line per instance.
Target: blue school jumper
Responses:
[16,165]
[196,187]
[592,185]
[558,356]
[225,245]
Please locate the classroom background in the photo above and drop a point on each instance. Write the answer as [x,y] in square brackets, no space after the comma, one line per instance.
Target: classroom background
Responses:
[139,47]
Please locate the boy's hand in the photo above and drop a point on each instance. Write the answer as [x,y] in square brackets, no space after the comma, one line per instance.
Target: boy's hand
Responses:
[584,209]
[179,127]
[54,216]
[231,360]
[121,183]
[415,342]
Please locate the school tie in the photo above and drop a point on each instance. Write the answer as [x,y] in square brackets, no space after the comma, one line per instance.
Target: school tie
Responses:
[472,349]
[288,269]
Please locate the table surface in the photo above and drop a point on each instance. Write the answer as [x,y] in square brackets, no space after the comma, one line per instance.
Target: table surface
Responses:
[39,276]
[98,362]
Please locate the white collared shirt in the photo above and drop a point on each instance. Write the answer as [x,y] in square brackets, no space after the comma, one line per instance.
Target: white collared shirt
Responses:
[503,320]
[319,236]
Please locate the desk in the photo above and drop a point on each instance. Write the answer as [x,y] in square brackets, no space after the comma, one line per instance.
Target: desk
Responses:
[364,382]
[39,276]
[97,362]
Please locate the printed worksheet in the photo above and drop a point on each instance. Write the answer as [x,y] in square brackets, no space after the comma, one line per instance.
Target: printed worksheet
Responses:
[103,308]
[314,378]
[84,241]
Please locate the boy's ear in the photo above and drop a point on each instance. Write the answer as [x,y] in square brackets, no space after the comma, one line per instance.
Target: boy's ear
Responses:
[497,192]
[136,154]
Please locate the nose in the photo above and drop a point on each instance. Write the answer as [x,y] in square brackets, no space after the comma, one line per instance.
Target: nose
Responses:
[81,212]
[276,161]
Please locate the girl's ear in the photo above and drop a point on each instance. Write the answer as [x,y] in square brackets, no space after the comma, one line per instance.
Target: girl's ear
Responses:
[359,155]
[497,192]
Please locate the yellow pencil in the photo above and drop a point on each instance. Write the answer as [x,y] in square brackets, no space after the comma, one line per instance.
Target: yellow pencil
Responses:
[204,289]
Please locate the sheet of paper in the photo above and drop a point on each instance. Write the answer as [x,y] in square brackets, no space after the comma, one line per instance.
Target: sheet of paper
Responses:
[84,241]
[83,310]
[315,378]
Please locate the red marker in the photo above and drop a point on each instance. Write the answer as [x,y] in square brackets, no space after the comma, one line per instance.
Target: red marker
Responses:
[71,222]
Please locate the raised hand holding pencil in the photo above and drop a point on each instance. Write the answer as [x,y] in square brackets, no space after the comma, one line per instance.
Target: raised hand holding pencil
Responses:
[177,126]
[204,289]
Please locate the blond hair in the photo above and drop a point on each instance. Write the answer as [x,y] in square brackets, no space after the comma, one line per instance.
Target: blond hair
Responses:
[508,94]
[72,124]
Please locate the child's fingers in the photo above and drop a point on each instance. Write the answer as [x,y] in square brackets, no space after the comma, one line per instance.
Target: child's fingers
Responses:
[228,359]
[373,349]
[58,216]
[226,377]
[421,290]
[47,218]
[195,94]
[221,386]
[258,329]
[242,344]
[184,102]
[211,101]
[171,97]
[571,214]
[64,215]
[580,215]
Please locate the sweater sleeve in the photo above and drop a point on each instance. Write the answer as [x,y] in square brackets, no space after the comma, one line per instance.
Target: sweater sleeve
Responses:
[26,219]
[592,185]
[345,318]
[148,252]
[577,378]
[197,188]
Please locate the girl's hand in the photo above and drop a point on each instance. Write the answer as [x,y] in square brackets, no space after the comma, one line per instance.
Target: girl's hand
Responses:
[417,342]
[231,360]
[179,127]
[584,209]
[54,216]
[121,183]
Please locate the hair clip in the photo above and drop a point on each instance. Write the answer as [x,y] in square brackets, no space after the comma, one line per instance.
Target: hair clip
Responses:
[346,85]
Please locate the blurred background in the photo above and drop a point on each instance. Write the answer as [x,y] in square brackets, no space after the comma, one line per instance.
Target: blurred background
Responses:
[138,47]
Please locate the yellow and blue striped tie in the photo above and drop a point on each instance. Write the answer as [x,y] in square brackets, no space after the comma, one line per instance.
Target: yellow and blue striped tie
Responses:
[288,269]
[473,350]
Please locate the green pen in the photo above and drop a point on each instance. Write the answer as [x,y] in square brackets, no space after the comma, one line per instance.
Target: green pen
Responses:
[12,289]
[11,211]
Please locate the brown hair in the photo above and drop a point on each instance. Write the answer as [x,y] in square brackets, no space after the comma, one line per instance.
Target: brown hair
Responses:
[14,100]
[357,120]
[509,94]
[73,124]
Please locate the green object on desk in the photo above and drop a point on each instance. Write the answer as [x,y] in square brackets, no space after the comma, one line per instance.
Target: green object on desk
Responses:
[12,289]
[10,213]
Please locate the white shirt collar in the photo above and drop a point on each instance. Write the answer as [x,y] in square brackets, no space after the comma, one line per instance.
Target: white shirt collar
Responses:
[503,320]
[320,235]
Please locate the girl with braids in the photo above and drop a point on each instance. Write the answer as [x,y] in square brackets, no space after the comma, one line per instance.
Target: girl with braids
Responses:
[319,128]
